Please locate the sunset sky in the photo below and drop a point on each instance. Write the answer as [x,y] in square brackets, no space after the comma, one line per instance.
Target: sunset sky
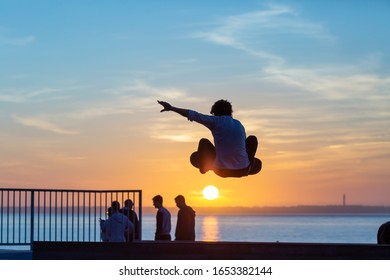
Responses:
[80,80]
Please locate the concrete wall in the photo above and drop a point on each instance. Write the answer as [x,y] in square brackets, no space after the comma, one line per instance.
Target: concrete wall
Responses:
[150,250]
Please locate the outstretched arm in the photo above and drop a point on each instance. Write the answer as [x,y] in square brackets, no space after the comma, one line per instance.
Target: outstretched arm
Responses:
[169,107]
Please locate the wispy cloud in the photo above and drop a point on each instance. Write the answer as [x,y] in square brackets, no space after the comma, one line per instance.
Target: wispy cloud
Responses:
[142,88]
[138,97]
[24,95]
[246,32]
[329,99]
[337,82]
[174,128]
[250,32]
[176,137]
[142,97]
[43,124]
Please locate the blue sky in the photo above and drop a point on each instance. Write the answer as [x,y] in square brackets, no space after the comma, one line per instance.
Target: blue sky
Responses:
[79,82]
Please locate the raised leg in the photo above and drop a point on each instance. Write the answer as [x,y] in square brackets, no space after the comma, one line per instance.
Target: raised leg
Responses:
[255,167]
[251,147]
[204,157]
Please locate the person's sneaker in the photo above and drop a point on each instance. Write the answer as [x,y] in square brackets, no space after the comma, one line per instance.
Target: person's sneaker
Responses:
[194,159]
[256,167]
[202,170]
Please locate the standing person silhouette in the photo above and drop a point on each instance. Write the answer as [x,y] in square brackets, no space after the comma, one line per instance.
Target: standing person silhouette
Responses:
[233,154]
[118,227]
[163,220]
[130,213]
[185,226]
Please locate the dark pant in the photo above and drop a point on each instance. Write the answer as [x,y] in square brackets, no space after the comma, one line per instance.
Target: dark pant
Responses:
[162,237]
[205,156]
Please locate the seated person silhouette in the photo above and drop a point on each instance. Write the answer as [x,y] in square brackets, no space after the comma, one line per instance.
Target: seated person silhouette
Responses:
[233,154]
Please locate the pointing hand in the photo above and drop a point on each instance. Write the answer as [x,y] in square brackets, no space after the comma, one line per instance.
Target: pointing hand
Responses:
[166,105]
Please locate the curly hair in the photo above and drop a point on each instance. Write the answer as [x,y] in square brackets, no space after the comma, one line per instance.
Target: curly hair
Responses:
[222,108]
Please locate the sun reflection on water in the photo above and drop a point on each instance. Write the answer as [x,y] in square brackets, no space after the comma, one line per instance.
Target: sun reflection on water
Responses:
[210,229]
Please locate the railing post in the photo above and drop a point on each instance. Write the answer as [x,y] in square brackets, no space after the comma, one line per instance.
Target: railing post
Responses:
[12,216]
[32,220]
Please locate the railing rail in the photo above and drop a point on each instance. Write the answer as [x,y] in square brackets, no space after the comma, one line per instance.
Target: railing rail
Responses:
[28,215]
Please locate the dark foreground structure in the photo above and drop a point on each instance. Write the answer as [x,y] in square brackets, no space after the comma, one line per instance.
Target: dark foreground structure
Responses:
[46,214]
[151,250]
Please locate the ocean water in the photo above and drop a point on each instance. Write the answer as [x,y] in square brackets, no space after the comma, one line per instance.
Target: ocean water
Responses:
[261,228]
[281,228]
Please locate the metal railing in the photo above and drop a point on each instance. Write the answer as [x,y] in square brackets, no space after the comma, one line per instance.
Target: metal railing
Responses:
[28,215]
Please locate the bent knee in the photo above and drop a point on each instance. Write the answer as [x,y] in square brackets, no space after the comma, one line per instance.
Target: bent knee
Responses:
[204,140]
[251,138]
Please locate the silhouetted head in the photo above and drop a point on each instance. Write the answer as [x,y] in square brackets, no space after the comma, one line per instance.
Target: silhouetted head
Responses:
[129,203]
[222,108]
[115,206]
[157,201]
[180,201]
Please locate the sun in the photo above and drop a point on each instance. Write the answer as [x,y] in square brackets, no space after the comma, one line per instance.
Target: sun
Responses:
[210,192]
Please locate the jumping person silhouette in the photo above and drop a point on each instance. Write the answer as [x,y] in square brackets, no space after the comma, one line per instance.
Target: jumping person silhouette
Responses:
[233,154]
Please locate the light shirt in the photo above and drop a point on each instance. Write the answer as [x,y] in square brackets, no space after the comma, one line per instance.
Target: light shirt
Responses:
[117,226]
[165,216]
[229,139]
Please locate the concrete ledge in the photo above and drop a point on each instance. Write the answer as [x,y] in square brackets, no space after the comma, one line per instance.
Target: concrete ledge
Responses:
[151,250]
[15,255]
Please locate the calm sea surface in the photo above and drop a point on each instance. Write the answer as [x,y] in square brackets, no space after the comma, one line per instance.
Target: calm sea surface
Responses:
[261,228]
[283,228]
